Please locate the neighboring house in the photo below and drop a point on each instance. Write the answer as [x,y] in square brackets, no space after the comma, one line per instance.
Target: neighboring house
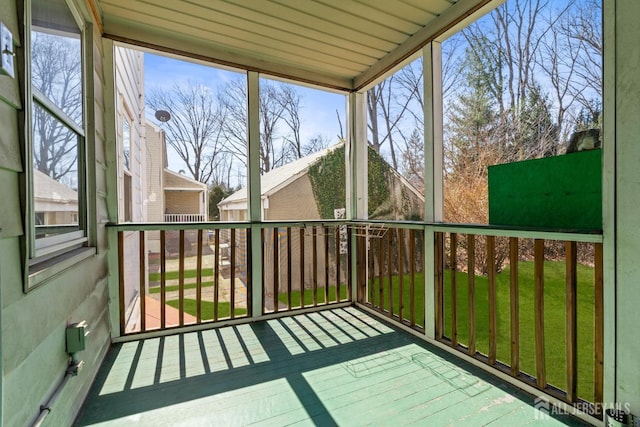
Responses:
[288,194]
[283,190]
[58,205]
[171,196]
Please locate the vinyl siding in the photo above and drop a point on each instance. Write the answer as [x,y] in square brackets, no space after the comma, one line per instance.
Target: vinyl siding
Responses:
[33,324]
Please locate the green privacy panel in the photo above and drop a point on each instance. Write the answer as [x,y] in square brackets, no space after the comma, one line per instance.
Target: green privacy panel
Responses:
[563,192]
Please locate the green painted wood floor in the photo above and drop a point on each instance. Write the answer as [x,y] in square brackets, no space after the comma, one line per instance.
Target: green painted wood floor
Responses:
[338,367]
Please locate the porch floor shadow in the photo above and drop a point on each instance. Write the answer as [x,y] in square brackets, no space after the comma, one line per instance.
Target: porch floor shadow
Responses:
[335,367]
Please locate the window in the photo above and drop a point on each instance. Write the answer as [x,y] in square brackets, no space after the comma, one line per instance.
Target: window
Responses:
[56,148]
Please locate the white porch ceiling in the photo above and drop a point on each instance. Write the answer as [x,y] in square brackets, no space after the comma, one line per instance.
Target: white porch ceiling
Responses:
[343,44]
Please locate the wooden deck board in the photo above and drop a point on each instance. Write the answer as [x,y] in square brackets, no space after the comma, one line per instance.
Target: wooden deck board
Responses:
[336,367]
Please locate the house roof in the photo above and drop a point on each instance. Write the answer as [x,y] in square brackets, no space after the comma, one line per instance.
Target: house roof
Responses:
[177,181]
[344,44]
[278,178]
[47,189]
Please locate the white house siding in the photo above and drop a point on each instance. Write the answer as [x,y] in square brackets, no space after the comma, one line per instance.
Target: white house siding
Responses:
[33,324]
[129,81]
[155,173]
[129,65]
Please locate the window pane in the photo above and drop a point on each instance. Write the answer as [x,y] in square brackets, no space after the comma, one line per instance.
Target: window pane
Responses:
[56,56]
[55,175]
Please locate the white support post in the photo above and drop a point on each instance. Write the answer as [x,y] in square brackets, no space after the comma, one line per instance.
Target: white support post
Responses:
[609,199]
[432,77]
[357,172]
[111,159]
[254,189]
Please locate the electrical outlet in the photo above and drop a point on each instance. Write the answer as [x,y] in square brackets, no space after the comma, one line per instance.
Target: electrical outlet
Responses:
[6,50]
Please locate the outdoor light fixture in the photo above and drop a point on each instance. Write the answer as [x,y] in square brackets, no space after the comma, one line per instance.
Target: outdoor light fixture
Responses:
[163,115]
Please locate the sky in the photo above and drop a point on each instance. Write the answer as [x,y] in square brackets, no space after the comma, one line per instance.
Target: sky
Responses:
[318,115]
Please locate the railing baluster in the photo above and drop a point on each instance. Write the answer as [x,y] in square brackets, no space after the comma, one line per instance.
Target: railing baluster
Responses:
[348,262]
[515,306]
[289,268]
[199,279]
[371,277]
[571,253]
[276,264]
[163,279]
[121,282]
[541,376]
[248,267]
[232,275]
[471,291]
[423,269]
[181,279]
[598,341]
[453,266]
[143,281]
[493,318]
[216,274]
[401,274]
[315,266]
[302,264]
[264,267]
[381,263]
[390,271]
[325,237]
[439,288]
[412,278]
[337,244]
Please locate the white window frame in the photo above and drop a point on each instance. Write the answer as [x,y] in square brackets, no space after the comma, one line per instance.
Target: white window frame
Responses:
[42,253]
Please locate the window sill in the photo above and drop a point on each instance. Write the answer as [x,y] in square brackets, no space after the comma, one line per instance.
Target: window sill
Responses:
[44,271]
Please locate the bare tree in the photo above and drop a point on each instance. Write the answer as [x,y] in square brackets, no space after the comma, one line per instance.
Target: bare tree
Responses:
[194,130]
[291,102]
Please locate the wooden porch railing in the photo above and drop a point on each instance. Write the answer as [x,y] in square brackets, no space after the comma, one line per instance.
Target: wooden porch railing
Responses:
[391,272]
[177,277]
[305,266]
[528,306]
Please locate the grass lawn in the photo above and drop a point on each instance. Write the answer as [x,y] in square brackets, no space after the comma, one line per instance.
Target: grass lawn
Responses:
[174,274]
[308,296]
[156,289]
[406,300]
[206,308]
[554,325]
[554,308]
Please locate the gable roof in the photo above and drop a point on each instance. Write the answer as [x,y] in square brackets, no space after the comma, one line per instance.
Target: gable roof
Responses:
[177,181]
[48,189]
[280,177]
